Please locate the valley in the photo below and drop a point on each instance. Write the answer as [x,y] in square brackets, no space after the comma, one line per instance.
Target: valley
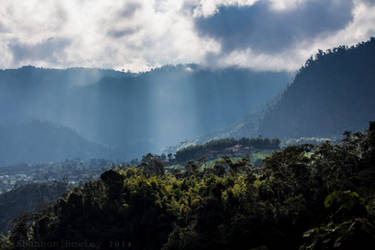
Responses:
[187,124]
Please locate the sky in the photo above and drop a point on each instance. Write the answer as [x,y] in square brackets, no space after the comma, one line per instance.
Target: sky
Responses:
[275,35]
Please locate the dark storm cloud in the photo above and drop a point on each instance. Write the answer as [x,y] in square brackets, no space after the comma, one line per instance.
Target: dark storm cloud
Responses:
[129,10]
[46,50]
[265,30]
[118,33]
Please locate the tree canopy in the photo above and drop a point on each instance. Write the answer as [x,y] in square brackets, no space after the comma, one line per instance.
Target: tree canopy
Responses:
[303,197]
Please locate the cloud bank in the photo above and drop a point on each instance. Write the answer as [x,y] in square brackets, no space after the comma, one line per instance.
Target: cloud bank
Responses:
[265,30]
[139,35]
[47,50]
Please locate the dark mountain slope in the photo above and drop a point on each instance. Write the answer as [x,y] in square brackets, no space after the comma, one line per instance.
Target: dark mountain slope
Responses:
[333,92]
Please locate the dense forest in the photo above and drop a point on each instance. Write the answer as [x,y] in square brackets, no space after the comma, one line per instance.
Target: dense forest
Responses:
[26,199]
[136,113]
[333,92]
[303,197]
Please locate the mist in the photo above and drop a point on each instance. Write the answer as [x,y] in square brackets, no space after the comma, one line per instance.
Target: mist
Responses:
[134,114]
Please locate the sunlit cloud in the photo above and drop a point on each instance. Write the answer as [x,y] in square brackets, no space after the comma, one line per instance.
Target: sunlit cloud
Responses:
[140,35]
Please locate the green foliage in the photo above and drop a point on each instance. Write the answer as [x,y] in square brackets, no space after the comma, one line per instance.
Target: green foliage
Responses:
[217,148]
[296,200]
[349,226]
[152,165]
[27,198]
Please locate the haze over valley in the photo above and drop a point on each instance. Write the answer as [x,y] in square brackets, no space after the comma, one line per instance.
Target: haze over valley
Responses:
[187,124]
[132,114]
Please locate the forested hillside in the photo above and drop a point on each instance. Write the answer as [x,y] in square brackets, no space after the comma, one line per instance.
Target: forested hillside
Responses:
[138,113]
[333,92]
[26,199]
[303,197]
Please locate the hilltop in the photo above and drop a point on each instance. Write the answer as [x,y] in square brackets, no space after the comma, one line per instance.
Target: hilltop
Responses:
[331,93]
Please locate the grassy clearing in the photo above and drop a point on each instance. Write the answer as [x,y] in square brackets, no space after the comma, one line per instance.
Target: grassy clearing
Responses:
[211,163]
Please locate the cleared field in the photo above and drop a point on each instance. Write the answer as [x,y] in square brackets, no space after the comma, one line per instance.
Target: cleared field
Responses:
[254,157]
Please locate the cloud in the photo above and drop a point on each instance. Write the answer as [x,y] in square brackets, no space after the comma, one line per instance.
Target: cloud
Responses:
[266,30]
[2,28]
[48,50]
[60,16]
[143,34]
[118,33]
[129,10]
[369,1]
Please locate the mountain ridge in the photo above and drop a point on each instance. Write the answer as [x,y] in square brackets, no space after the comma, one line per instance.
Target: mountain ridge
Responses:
[41,141]
[331,93]
[137,113]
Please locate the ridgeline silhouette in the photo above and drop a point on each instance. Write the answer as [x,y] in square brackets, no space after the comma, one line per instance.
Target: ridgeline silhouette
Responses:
[332,93]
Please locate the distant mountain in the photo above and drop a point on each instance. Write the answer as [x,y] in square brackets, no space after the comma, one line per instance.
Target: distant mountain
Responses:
[38,141]
[137,113]
[247,127]
[333,92]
